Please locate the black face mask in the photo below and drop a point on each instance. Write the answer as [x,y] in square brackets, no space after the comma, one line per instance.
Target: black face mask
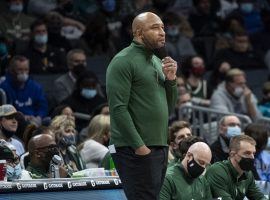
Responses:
[194,169]
[7,133]
[50,153]
[78,69]
[246,164]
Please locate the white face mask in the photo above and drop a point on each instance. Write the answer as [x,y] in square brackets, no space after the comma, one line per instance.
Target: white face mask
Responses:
[233,131]
[22,77]
[238,92]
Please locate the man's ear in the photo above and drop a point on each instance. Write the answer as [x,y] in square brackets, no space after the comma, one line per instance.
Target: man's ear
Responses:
[189,156]
[37,153]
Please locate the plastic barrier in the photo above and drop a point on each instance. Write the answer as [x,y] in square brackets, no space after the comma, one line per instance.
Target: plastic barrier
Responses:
[204,121]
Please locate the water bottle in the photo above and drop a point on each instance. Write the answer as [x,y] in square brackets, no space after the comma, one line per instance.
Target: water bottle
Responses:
[54,166]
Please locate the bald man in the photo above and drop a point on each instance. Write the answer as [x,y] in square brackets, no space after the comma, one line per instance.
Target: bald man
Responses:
[184,181]
[41,150]
[141,90]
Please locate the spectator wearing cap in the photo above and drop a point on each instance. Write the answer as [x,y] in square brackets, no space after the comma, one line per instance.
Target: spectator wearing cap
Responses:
[24,93]
[264,105]
[86,97]
[9,125]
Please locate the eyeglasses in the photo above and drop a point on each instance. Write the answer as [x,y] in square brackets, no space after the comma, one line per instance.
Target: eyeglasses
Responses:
[50,147]
[234,124]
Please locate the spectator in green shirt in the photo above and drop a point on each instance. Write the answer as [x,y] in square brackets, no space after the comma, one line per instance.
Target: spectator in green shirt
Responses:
[184,181]
[232,179]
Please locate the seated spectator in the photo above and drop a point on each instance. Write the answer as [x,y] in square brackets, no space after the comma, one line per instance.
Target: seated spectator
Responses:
[177,44]
[65,133]
[226,7]
[178,131]
[184,180]
[14,169]
[55,22]
[24,93]
[202,20]
[41,150]
[94,148]
[15,25]
[43,57]
[195,83]
[264,104]
[186,143]
[260,133]
[184,99]
[9,125]
[96,39]
[63,110]
[64,85]
[86,96]
[240,54]
[229,176]
[249,14]
[228,126]
[234,96]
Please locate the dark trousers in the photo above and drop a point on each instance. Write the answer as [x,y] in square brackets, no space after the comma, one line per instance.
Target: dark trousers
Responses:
[141,176]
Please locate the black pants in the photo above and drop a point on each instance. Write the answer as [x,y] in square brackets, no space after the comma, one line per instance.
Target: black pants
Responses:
[141,176]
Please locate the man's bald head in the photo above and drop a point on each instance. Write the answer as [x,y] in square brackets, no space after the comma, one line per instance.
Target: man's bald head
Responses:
[201,152]
[141,20]
[148,29]
[40,141]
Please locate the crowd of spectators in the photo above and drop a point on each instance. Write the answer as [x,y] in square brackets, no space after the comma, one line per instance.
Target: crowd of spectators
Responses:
[223,38]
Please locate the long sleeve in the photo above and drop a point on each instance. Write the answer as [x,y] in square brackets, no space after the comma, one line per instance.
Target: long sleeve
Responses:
[171,94]
[118,86]
[166,190]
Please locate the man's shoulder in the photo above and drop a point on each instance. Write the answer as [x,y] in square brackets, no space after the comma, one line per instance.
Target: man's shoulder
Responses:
[174,171]
[218,168]
[62,78]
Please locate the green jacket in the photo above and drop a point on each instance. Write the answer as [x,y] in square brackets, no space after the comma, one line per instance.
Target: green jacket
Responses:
[179,185]
[224,182]
[36,172]
[139,98]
